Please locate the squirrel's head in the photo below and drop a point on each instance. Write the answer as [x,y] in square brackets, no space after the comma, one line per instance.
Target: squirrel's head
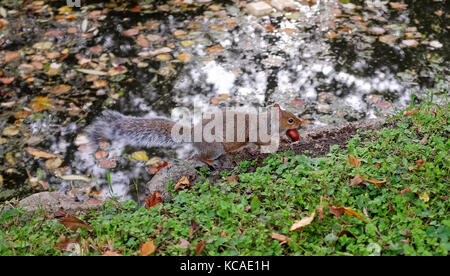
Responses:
[288,120]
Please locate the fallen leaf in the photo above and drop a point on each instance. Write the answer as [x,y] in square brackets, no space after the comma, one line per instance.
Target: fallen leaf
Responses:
[10,131]
[61,89]
[410,43]
[158,167]
[388,39]
[153,200]
[10,56]
[147,248]
[164,57]
[412,112]
[356,180]
[406,190]
[40,103]
[398,6]
[130,32]
[74,223]
[352,160]
[37,153]
[99,84]
[7,80]
[64,244]
[92,72]
[337,211]
[142,41]
[353,213]
[379,183]
[424,196]
[140,156]
[232,178]
[184,57]
[183,243]
[53,163]
[182,183]
[331,35]
[179,33]
[199,248]
[101,154]
[111,253]
[187,43]
[303,222]
[281,238]
[217,49]
[107,163]
[193,228]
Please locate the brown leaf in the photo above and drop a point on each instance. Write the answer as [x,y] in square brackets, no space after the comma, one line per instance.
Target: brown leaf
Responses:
[7,80]
[199,248]
[303,222]
[193,228]
[61,89]
[337,211]
[130,32]
[281,238]
[53,163]
[406,190]
[216,49]
[74,223]
[398,6]
[147,248]
[331,35]
[107,163]
[354,161]
[142,41]
[356,180]
[183,243]
[40,153]
[182,183]
[153,200]
[63,245]
[232,178]
[111,253]
[10,56]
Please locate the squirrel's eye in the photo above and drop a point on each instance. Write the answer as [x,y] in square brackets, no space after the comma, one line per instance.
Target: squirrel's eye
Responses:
[290,120]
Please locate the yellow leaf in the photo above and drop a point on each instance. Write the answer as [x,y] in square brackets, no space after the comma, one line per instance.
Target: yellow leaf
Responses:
[164,57]
[40,103]
[184,57]
[140,156]
[424,196]
[379,183]
[64,9]
[303,222]
[147,248]
[187,43]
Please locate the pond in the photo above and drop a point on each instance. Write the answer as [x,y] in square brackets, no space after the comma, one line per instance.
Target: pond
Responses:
[326,61]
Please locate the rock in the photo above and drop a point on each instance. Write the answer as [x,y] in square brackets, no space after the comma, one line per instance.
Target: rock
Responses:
[52,202]
[282,4]
[259,8]
[173,172]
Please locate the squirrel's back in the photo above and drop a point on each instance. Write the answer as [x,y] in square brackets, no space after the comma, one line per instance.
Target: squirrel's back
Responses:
[134,131]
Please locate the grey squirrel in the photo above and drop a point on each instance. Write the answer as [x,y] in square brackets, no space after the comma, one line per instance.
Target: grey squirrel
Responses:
[157,132]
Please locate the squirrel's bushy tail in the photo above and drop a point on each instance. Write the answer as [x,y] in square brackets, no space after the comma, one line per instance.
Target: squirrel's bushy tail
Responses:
[116,127]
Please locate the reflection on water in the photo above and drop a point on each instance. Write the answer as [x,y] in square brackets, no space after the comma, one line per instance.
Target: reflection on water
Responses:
[325,63]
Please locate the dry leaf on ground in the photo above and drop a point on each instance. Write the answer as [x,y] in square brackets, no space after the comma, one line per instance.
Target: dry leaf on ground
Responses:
[147,248]
[303,222]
